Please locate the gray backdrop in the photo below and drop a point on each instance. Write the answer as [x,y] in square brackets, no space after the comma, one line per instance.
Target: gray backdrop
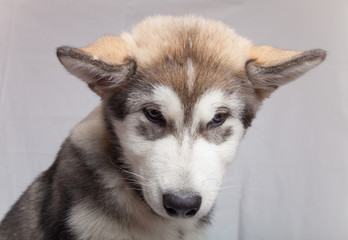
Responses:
[290,177]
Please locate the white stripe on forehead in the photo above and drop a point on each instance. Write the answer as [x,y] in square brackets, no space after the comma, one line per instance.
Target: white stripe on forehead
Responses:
[170,103]
[190,74]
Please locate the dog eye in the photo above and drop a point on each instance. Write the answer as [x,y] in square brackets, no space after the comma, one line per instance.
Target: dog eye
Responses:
[218,120]
[154,115]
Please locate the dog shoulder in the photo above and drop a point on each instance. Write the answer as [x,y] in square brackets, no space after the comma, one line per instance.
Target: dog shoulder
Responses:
[23,221]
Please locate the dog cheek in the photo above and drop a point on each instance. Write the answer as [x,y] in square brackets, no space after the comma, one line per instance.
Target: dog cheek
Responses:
[130,140]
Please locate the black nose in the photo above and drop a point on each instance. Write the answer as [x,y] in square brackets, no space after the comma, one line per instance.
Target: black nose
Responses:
[181,204]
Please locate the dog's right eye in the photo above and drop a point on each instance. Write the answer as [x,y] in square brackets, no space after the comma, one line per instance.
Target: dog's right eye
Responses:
[154,115]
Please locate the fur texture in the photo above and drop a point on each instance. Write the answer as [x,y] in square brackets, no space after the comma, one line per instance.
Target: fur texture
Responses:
[178,94]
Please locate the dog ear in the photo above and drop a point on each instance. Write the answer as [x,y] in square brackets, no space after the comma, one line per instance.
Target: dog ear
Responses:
[268,67]
[103,65]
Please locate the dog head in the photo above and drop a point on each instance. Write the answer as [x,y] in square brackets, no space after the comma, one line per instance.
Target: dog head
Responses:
[180,92]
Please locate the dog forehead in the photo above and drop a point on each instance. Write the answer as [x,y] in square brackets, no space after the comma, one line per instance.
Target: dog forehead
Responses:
[190,54]
[187,81]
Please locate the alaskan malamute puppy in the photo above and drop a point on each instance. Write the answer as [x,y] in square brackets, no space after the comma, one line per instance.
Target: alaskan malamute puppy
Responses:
[177,96]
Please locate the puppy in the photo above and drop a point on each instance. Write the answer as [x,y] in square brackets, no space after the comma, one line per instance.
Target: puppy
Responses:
[177,96]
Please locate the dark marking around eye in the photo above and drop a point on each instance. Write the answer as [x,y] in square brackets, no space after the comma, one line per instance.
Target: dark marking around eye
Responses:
[221,135]
[226,134]
[152,131]
[216,135]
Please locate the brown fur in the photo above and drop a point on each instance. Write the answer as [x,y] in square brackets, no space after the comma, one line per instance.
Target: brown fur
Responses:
[269,56]
[109,49]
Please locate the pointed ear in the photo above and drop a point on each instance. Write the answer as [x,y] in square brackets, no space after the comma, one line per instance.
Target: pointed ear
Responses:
[268,67]
[102,65]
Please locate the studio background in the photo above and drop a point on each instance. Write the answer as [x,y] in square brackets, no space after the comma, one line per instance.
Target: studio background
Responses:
[290,177]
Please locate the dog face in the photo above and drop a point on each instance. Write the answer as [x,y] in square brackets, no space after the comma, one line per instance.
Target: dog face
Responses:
[179,94]
[179,151]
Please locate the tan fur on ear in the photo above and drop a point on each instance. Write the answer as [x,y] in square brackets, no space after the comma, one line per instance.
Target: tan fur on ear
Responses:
[269,56]
[109,49]
[269,68]
[102,65]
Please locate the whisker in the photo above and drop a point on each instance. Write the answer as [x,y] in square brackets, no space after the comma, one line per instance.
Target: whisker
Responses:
[233,187]
[127,171]
[243,187]
[230,178]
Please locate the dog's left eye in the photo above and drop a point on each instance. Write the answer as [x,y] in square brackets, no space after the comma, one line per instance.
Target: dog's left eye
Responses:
[218,120]
[154,115]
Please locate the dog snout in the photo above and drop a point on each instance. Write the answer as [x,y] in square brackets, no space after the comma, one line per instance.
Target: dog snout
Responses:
[183,204]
